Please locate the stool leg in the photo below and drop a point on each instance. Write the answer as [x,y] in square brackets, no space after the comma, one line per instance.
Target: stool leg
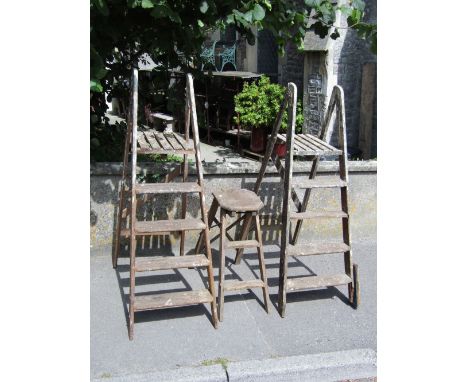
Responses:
[222,239]
[261,260]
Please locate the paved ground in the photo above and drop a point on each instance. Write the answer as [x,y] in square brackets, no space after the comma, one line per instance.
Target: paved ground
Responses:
[316,321]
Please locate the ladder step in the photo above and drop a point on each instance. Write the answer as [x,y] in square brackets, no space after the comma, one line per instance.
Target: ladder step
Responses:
[317,249]
[321,182]
[242,244]
[162,226]
[309,282]
[146,264]
[167,188]
[317,215]
[172,300]
[248,284]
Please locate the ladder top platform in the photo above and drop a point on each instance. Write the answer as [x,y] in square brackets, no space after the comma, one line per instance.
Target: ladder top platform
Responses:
[310,145]
[151,141]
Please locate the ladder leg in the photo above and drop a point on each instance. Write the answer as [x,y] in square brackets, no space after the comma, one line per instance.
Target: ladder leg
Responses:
[184,205]
[222,240]
[196,142]
[116,253]
[285,218]
[131,310]
[261,261]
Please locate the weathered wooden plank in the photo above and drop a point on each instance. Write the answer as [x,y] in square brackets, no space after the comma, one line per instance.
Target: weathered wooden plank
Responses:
[173,142]
[320,182]
[317,214]
[162,141]
[152,140]
[309,282]
[142,141]
[146,264]
[244,284]
[159,226]
[310,146]
[172,300]
[242,244]
[167,188]
[310,249]
[186,145]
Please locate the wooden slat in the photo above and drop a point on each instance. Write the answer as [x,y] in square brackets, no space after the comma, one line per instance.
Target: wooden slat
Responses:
[309,282]
[152,140]
[167,188]
[170,300]
[238,285]
[325,145]
[318,214]
[142,141]
[320,182]
[160,226]
[298,145]
[316,147]
[302,139]
[242,244]
[146,264]
[173,142]
[317,249]
[186,145]
[162,141]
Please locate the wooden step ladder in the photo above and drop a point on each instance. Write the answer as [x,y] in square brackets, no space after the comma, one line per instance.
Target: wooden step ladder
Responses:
[153,142]
[310,146]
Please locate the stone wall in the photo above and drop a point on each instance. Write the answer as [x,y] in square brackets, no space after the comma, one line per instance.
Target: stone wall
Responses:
[350,53]
[362,200]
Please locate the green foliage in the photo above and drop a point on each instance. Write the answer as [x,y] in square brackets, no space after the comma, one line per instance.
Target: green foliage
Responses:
[259,103]
[172,32]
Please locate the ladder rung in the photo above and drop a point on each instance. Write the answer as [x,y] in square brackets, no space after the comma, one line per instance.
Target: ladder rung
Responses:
[321,182]
[309,282]
[146,264]
[317,215]
[237,285]
[163,226]
[317,249]
[167,188]
[242,244]
[170,300]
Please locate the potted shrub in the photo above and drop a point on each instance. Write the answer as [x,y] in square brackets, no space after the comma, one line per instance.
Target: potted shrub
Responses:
[280,148]
[257,106]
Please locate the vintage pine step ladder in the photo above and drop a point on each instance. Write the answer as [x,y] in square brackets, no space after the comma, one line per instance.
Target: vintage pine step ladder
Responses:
[310,146]
[153,142]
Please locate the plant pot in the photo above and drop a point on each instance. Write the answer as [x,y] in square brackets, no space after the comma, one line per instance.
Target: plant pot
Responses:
[280,149]
[258,139]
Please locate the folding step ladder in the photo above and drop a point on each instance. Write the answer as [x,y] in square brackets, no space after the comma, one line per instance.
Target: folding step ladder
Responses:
[314,147]
[153,142]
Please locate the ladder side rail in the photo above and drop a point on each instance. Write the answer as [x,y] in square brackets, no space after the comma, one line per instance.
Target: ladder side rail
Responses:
[343,165]
[122,193]
[292,95]
[184,171]
[199,166]
[134,119]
